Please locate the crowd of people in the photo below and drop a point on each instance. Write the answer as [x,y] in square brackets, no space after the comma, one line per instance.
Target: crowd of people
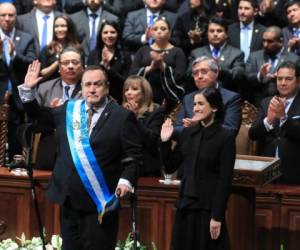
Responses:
[113,85]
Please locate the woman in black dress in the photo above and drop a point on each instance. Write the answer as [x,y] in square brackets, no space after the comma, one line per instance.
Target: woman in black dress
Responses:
[137,97]
[206,155]
[109,54]
[64,35]
[162,64]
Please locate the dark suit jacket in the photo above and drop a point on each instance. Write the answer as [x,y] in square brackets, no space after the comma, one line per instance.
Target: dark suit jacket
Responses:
[206,156]
[25,54]
[286,137]
[135,26]
[287,33]
[234,36]
[232,110]
[117,148]
[38,111]
[231,62]
[81,21]
[28,24]
[258,89]
[149,126]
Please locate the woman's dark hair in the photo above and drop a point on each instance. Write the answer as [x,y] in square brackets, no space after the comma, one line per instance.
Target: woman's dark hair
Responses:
[71,38]
[214,98]
[116,26]
[164,19]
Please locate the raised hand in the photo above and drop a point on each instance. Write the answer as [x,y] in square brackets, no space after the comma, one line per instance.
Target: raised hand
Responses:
[215,229]
[166,130]
[33,74]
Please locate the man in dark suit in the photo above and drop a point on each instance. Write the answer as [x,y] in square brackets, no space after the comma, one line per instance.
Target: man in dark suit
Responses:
[88,23]
[47,94]
[230,59]
[137,27]
[17,51]
[246,34]
[262,64]
[291,33]
[205,74]
[277,126]
[112,141]
[39,22]
[191,26]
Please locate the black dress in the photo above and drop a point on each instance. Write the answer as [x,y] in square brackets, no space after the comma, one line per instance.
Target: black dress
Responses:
[165,85]
[206,156]
[46,58]
[117,73]
[149,126]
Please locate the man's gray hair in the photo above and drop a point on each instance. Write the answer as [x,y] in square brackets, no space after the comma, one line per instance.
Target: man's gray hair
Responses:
[212,63]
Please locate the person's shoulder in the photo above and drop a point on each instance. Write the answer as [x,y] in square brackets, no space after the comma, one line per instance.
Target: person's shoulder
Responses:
[27,15]
[78,14]
[110,16]
[228,93]
[233,26]
[136,13]
[49,84]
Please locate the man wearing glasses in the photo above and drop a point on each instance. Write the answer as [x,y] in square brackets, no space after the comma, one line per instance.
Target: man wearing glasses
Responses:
[48,94]
[205,72]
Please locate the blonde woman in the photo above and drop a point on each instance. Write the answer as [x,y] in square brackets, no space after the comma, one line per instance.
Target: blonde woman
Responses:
[138,97]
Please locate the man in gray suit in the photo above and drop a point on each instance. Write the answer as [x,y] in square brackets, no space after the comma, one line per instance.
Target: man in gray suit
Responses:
[88,22]
[262,65]
[137,27]
[48,94]
[39,22]
[230,59]
[17,51]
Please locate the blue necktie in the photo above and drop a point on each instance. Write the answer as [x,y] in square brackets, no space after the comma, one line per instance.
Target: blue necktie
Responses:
[215,52]
[151,23]
[67,96]
[245,46]
[7,60]
[273,64]
[93,38]
[296,32]
[45,31]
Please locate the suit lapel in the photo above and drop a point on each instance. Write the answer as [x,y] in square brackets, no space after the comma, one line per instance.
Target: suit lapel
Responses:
[35,26]
[294,108]
[255,34]
[102,119]
[17,40]
[77,92]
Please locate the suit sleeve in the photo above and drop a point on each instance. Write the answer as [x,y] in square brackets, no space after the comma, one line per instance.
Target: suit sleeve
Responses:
[227,159]
[232,116]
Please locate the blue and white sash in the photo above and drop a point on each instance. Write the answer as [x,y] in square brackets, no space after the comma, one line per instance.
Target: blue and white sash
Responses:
[84,159]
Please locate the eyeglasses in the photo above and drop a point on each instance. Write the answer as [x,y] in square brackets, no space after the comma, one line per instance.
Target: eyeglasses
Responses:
[67,62]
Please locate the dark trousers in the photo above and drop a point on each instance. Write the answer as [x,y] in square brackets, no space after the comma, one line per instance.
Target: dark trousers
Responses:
[81,230]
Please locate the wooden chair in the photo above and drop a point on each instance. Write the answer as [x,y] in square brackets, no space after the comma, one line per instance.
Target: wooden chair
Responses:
[4,110]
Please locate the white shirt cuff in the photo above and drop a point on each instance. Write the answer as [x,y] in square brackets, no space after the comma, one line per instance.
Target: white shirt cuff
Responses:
[125,182]
[143,39]
[268,126]
[26,94]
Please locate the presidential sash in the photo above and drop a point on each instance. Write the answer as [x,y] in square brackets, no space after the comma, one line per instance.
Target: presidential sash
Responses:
[88,169]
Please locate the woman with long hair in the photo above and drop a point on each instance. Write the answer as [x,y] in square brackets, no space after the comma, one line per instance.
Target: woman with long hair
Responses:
[205,153]
[109,54]
[64,35]
[162,64]
[137,97]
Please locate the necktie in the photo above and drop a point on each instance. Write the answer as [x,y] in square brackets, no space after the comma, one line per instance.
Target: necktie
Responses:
[90,112]
[6,50]
[45,31]
[273,64]
[245,45]
[215,52]
[296,32]
[67,96]
[7,60]
[93,38]
[151,23]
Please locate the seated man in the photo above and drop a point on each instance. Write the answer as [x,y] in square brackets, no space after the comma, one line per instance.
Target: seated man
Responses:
[230,59]
[44,95]
[205,74]
[277,126]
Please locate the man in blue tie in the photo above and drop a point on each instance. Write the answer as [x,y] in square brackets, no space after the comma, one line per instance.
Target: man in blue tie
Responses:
[262,64]
[17,51]
[246,34]
[291,33]
[277,126]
